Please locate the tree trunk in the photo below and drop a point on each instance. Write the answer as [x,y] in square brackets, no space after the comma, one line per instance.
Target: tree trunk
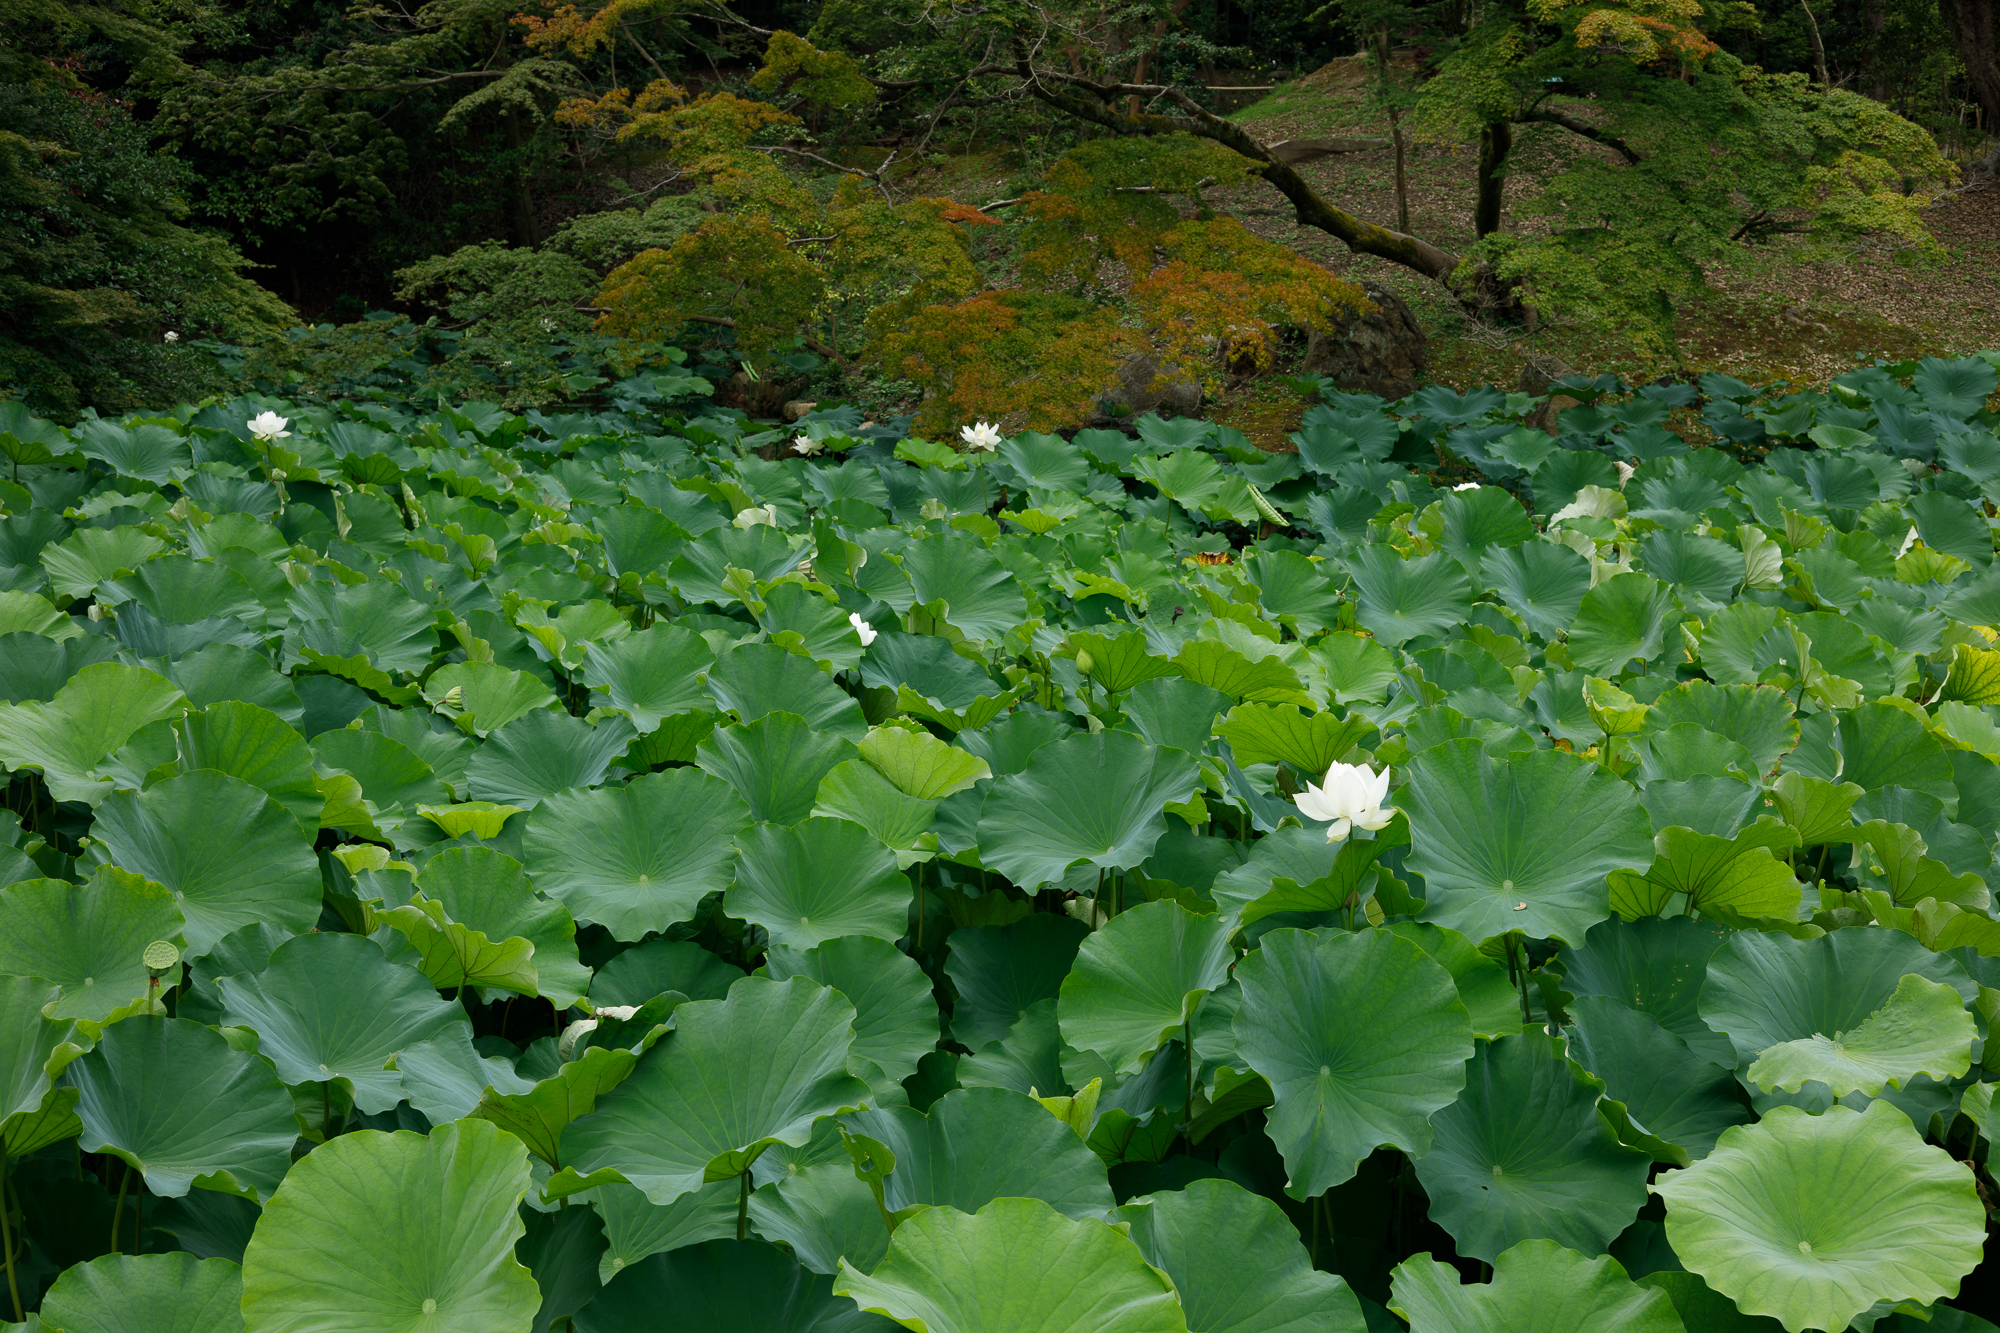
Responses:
[1975,29]
[1496,141]
[520,204]
[1818,47]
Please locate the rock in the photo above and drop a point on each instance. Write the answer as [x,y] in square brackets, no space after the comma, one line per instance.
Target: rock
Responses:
[1537,378]
[1140,388]
[798,407]
[1381,351]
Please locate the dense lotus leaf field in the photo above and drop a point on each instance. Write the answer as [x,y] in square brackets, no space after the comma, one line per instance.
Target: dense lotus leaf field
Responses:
[1497,867]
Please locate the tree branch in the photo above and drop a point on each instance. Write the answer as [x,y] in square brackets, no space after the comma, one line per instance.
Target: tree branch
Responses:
[1586,129]
[830,353]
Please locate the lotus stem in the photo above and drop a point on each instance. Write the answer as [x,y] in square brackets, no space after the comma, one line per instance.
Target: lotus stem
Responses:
[118,1211]
[743,1208]
[7,1243]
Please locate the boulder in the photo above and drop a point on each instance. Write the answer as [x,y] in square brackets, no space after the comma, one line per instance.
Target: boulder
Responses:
[1140,388]
[1381,350]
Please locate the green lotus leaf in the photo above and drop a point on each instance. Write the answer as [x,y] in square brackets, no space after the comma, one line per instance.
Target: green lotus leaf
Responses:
[487,892]
[150,452]
[259,747]
[96,711]
[650,675]
[375,619]
[700,572]
[1027,1060]
[706,1102]
[451,954]
[446,1077]
[1764,990]
[1757,717]
[229,854]
[1708,1311]
[1524,1155]
[1016,1266]
[1922,1028]
[1300,855]
[1883,745]
[818,881]
[775,763]
[88,556]
[980,1144]
[146,1293]
[635,1226]
[856,792]
[1739,873]
[1398,599]
[638,974]
[1294,591]
[33,668]
[1543,582]
[1518,844]
[815,1201]
[1363,1038]
[1269,733]
[25,613]
[391,774]
[1259,1279]
[33,1112]
[1483,985]
[1228,672]
[1911,876]
[1656,966]
[1087,798]
[1674,1102]
[1000,971]
[1345,883]
[169,1097]
[895,1016]
[332,1007]
[538,1115]
[395,1233]
[1623,619]
[640,856]
[87,938]
[980,597]
[921,765]
[1173,712]
[757,679]
[183,591]
[485,696]
[1116,664]
[1537,1287]
[1813,1219]
[544,752]
[729,1286]
[480,819]
[1137,981]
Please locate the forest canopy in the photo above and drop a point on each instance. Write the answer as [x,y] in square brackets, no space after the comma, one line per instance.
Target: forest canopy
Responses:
[552,195]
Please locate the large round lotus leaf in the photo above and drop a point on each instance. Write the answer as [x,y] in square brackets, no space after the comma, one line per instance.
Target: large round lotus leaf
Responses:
[1524,1155]
[1487,991]
[819,881]
[90,939]
[735,1076]
[1537,1287]
[146,1293]
[635,1226]
[658,966]
[331,1006]
[1362,1037]
[260,747]
[96,711]
[1017,1266]
[979,594]
[895,1016]
[32,1111]
[390,772]
[1764,989]
[775,763]
[1137,981]
[760,678]
[1922,1028]
[229,854]
[1757,717]
[224,671]
[1519,844]
[1657,966]
[395,1233]
[1399,599]
[725,1286]
[170,1097]
[650,675]
[638,857]
[1237,1263]
[1677,1100]
[545,752]
[999,971]
[980,1144]
[817,1205]
[1813,1219]
[487,891]
[1095,798]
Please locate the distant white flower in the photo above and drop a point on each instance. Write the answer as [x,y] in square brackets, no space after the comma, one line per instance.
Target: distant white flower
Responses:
[617,1011]
[1625,471]
[755,514]
[861,627]
[1351,796]
[269,426]
[1466,486]
[806,444]
[173,337]
[1909,540]
[981,435]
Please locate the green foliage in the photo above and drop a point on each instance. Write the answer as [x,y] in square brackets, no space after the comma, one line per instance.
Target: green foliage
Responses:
[477,869]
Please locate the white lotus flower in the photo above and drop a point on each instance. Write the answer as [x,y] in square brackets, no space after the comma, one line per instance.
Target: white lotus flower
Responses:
[1350,795]
[861,627]
[173,337]
[269,426]
[618,1011]
[805,444]
[1909,540]
[981,435]
[1466,486]
[755,514]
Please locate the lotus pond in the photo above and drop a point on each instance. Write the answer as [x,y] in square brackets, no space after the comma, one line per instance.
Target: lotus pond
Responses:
[630,870]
